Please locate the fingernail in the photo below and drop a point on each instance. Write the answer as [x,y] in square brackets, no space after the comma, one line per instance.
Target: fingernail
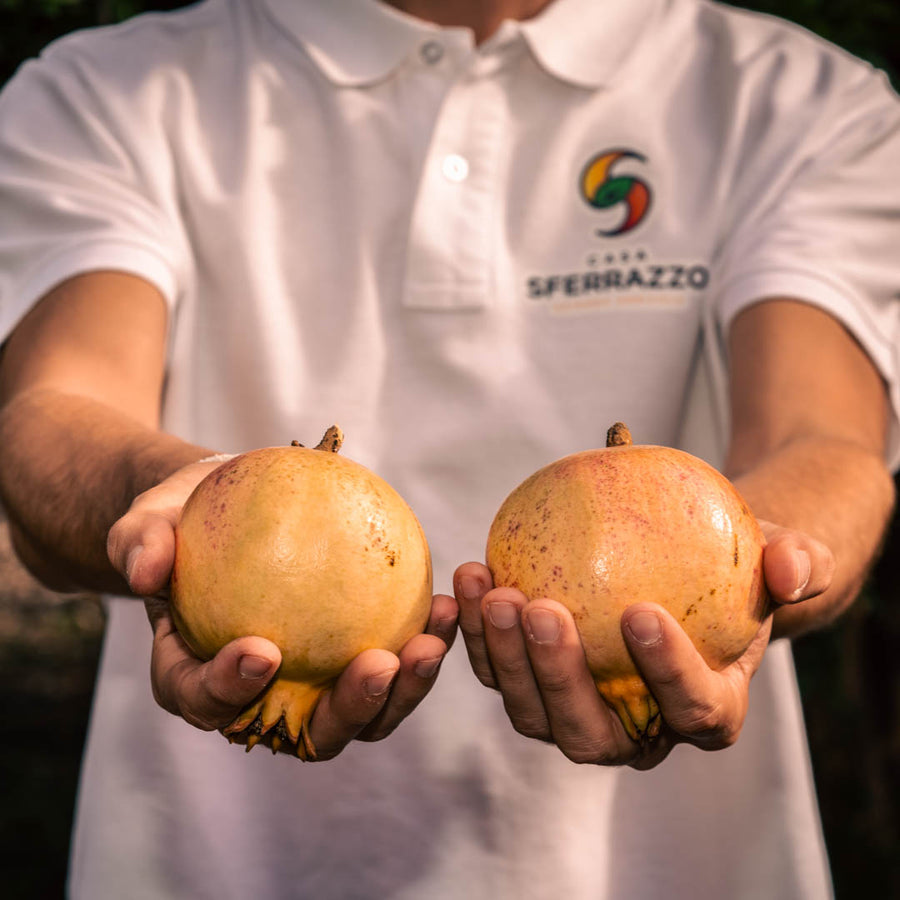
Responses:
[253,666]
[470,587]
[426,668]
[502,614]
[376,685]
[645,628]
[804,570]
[131,560]
[543,625]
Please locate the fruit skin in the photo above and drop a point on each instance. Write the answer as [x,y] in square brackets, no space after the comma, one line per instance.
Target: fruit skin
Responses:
[310,550]
[602,529]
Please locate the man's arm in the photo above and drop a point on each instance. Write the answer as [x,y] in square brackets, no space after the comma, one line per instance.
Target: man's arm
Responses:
[80,382]
[809,423]
[93,490]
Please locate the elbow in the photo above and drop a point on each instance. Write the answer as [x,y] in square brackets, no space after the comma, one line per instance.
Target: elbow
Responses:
[38,564]
[882,507]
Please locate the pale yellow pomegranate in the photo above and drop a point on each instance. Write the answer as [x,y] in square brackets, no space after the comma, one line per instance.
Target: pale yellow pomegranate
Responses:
[310,550]
[602,529]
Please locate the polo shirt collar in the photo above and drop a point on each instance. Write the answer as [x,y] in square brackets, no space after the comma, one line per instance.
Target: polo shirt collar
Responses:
[358,42]
[355,42]
[585,42]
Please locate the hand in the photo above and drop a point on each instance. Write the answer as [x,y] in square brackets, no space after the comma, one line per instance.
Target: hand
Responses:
[368,701]
[530,650]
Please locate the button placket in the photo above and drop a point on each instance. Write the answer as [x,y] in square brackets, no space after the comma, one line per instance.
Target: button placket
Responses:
[451,234]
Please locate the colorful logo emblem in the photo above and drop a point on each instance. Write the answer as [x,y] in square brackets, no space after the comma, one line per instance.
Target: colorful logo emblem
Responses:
[603,190]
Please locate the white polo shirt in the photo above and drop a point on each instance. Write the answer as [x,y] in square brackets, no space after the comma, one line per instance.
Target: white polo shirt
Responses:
[474,260]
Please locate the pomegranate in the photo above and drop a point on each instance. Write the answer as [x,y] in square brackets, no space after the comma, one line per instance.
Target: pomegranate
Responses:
[601,529]
[310,550]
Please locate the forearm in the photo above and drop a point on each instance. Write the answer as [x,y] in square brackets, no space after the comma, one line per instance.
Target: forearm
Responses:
[836,491]
[70,467]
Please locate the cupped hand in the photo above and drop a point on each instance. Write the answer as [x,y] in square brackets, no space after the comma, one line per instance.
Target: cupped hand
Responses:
[368,701]
[530,651]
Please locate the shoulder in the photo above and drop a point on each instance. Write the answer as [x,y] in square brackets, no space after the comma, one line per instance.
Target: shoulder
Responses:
[148,35]
[769,82]
[180,44]
[762,47]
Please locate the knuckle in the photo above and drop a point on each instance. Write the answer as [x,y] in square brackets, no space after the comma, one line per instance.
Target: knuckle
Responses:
[596,753]
[481,666]
[209,690]
[472,632]
[161,684]
[400,708]
[707,725]
[206,706]
[325,755]
[534,727]
[354,717]
[372,737]
[327,752]
[201,722]
[144,499]
[162,700]
[703,719]
[378,728]
[555,684]
[724,736]
[645,761]
[510,670]
[160,619]
[487,679]
[671,677]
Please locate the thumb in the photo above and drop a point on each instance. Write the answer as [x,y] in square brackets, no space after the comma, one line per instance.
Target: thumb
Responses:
[209,694]
[141,546]
[796,566]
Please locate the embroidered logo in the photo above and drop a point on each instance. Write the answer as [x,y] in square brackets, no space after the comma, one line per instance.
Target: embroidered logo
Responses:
[604,190]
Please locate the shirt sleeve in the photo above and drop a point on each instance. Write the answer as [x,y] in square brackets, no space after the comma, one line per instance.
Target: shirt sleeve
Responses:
[85,182]
[826,227]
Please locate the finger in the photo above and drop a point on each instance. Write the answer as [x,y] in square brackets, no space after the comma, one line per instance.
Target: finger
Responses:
[652,752]
[583,726]
[443,619]
[158,612]
[471,582]
[141,544]
[420,662]
[209,694]
[141,547]
[705,707]
[509,662]
[796,566]
[355,700]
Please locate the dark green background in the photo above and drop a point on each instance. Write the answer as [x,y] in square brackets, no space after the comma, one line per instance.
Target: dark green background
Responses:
[849,674]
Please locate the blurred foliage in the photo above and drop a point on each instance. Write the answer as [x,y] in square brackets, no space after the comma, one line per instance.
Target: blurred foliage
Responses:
[49,648]
[849,674]
[26,26]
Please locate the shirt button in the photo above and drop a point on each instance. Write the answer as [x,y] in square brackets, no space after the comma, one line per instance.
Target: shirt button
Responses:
[431,52]
[455,167]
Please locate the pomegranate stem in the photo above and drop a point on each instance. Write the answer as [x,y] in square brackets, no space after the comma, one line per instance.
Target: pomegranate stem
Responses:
[618,435]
